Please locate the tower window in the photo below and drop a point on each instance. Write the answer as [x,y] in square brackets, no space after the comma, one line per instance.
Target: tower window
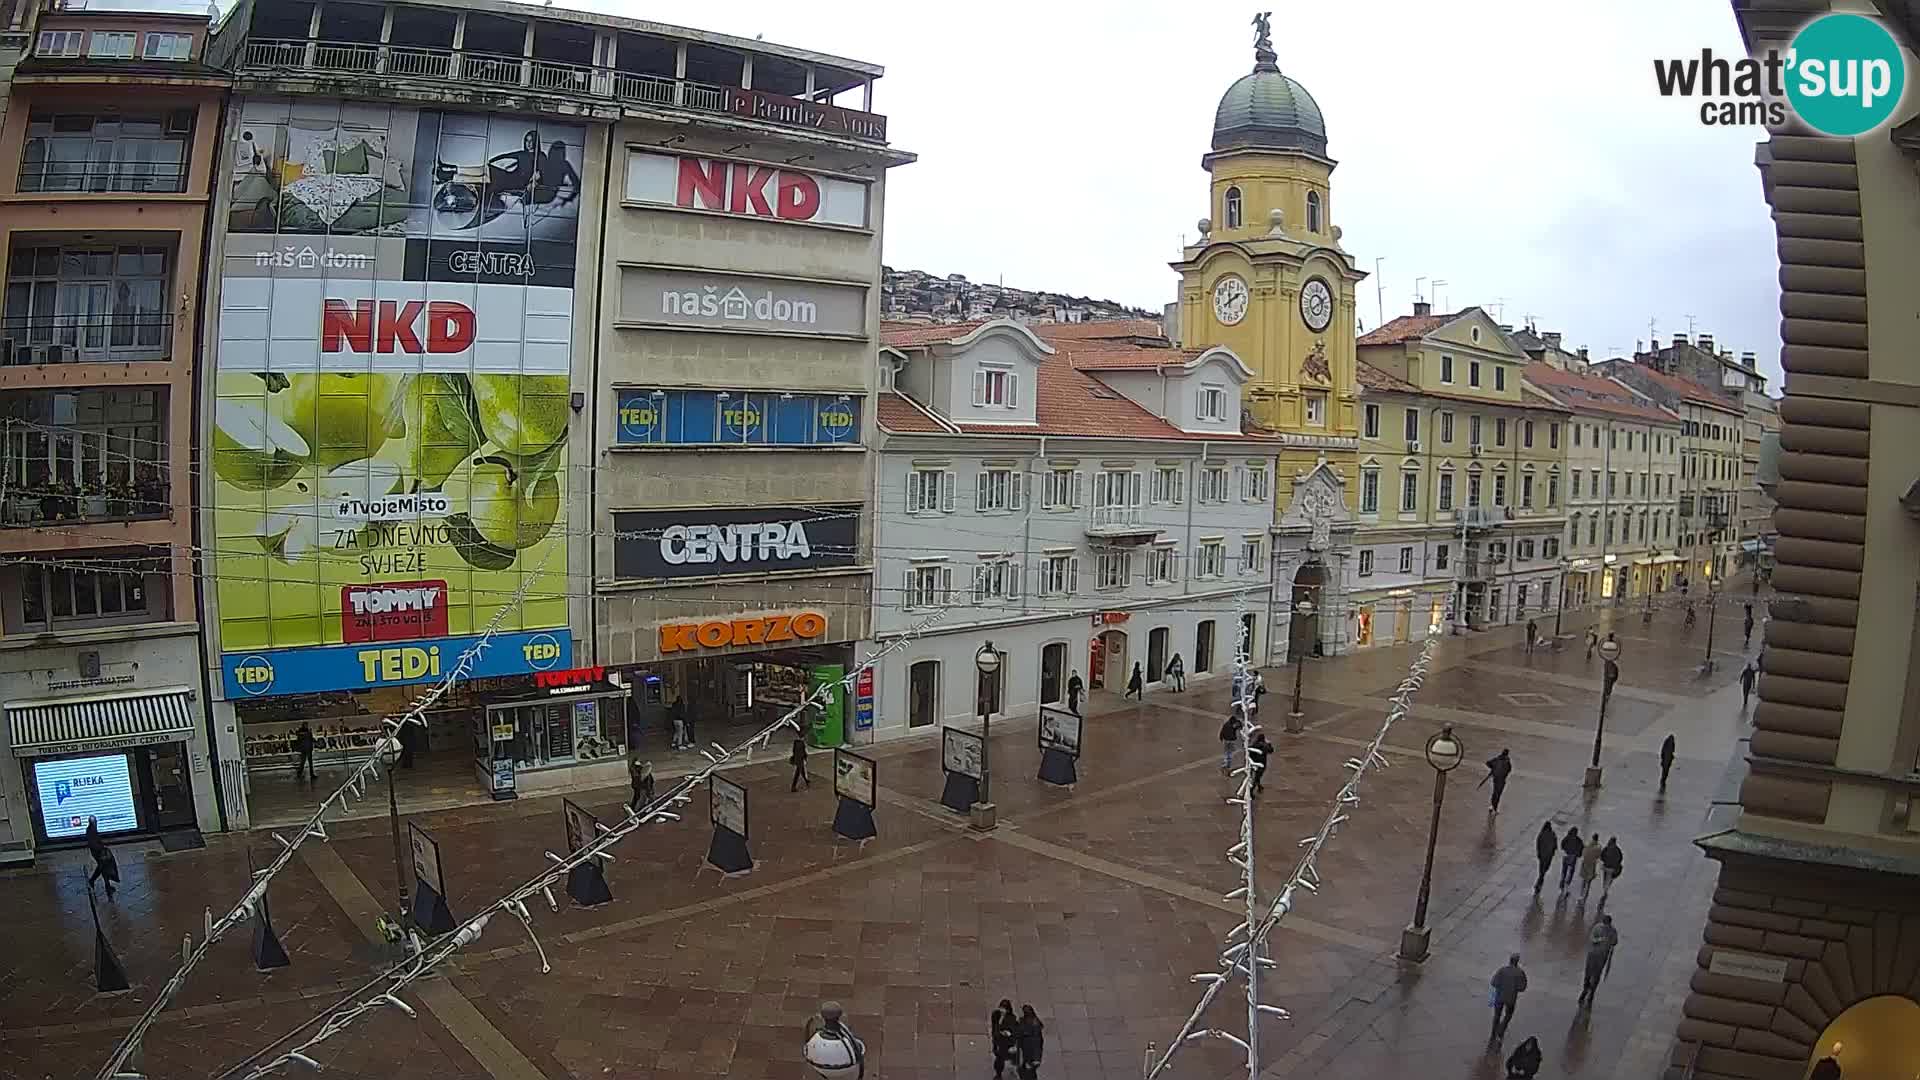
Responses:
[1313,211]
[1233,208]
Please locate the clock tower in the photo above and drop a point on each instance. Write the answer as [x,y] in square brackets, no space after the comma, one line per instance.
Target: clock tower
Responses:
[1269,280]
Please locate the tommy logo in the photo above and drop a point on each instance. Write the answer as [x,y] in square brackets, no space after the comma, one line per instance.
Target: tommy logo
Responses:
[393,611]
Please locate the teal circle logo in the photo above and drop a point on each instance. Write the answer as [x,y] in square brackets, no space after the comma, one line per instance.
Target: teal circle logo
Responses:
[1845,74]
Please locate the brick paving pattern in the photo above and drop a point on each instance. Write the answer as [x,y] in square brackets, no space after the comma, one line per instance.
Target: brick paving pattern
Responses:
[1094,903]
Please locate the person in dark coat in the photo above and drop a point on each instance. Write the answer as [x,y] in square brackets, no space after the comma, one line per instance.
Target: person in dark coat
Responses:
[1032,1040]
[1747,675]
[1257,753]
[685,717]
[1533,634]
[406,734]
[1570,848]
[640,773]
[1666,760]
[1524,1062]
[1005,1026]
[1499,767]
[303,745]
[1229,734]
[1747,641]
[1600,944]
[1074,689]
[105,868]
[1612,861]
[1136,684]
[1508,984]
[1544,846]
[799,759]
[1177,674]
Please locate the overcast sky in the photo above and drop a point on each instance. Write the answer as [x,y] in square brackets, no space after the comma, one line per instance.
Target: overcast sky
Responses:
[1516,149]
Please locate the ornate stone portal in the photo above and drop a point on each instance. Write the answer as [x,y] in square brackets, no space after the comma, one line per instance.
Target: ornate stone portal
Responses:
[1315,529]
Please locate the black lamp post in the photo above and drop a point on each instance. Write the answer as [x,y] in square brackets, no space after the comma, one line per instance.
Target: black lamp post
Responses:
[390,755]
[1706,662]
[1305,610]
[1444,753]
[1609,652]
[987,661]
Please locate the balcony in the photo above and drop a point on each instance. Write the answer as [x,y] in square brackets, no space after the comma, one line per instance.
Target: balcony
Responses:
[77,339]
[1479,569]
[451,68]
[83,456]
[1485,517]
[1123,524]
[105,152]
[48,503]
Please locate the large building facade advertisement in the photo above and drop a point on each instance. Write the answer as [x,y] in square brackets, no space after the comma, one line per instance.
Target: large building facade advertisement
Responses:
[389,444]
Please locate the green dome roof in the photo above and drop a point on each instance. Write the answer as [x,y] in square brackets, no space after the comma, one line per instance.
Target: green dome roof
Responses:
[1266,110]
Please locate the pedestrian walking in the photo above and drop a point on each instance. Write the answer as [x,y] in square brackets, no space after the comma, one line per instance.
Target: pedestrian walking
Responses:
[1524,1062]
[1827,1068]
[798,756]
[1747,641]
[303,745]
[1600,944]
[1257,753]
[1589,865]
[1005,1026]
[640,773]
[1074,689]
[1136,684]
[1747,675]
[1177,674]
[1666,760]
[1032,1039]
[1507,985]
[1229,734]
[1593,639]
[686,720]
[105,868]
[1533,634]
[1612,861]
[1259,689]
[1499,767]
[1570,848]
[1544,846]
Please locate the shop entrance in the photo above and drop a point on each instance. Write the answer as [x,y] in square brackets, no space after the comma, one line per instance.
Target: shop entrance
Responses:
[1156,654]
[1053,676]
[1303,638]
[1203,646]
[144,790]
[923,691]
[1109,661]
[724,698]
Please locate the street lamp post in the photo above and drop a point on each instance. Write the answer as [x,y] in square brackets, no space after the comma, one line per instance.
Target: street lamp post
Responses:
[1444,753]
[987,661]
[391,756]
[1706,662]
[1609,652]
[1295,718]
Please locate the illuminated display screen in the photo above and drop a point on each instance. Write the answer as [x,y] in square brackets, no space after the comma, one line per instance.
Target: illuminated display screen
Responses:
[72,790]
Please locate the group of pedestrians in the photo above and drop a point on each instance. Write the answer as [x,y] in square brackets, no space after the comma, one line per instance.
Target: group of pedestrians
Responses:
[1019,1038]
[1258,751]
[1588,858]
[1175,679]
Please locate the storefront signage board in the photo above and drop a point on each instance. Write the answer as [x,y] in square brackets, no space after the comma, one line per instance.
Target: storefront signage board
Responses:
[1060,730]
[364,667]
[727,633]
[669,544]
[735,418]
[863,700]
[745,189]
[960,752]
[853,777]
[426,860]
[728,805]
[71,790]
[697,300]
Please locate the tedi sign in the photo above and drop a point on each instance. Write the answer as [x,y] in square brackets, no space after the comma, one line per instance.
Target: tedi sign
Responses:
[745,188]
[706,543]
[1843,75]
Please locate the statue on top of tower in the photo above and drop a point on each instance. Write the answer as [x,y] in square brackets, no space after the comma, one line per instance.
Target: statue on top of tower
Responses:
[1263,55]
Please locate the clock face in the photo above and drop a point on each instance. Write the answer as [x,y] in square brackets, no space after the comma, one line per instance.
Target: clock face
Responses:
[1316,304]
[1230,300]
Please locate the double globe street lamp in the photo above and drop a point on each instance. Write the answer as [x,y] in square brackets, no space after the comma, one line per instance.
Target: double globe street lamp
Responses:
[1445,752]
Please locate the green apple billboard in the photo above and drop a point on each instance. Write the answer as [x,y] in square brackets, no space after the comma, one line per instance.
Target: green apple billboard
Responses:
[392,394]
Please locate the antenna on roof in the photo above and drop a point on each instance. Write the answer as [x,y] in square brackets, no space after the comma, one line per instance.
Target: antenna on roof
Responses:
[1437,302]
[1416,288]
[1689,319]
[1379,294]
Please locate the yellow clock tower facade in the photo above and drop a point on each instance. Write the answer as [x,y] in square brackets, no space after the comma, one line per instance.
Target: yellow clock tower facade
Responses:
[1269,280]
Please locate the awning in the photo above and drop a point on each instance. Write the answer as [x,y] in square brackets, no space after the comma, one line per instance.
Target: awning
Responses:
[1669,559]
[100,721]
[1750,545]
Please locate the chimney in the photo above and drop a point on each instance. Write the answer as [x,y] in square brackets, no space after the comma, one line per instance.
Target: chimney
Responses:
[1583,354]
[1705,342]
[1422,308]
[1552,338]
[1678,340]
[1746,359]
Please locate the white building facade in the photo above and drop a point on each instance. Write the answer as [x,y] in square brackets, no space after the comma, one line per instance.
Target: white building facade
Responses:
[1084,519]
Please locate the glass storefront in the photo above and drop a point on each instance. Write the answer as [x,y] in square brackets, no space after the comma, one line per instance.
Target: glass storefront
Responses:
[559,727]
[142,790]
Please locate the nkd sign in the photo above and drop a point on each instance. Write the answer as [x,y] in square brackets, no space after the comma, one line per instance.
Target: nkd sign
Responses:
[652,296]
[748,540]
[745,188]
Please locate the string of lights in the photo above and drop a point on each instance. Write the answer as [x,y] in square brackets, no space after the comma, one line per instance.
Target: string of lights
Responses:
[1241,953]
[354,786]
[384,990]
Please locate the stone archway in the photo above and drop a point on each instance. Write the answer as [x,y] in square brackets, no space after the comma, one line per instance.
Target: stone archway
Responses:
[1875,1039]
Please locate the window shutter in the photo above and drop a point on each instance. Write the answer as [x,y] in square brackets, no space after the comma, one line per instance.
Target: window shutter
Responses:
[980,583]
[1015,496]
[1073,576]
[1014,570]
[1179,486]
[1079,490]
[1013,389]
[946,491]
[981,488]
[913,490]
[946,584]
[907,598]
[979,386]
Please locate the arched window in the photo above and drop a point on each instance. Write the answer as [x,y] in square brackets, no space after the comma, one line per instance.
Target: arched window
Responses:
[1313,211]
[1233,208]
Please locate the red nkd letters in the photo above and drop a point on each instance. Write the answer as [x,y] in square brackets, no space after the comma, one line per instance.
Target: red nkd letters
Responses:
[393,326]
[737,188]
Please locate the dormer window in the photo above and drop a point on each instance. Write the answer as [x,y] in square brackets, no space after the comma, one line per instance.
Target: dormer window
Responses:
[1313,211]
[1233,214]
[995,387]
[1213,403]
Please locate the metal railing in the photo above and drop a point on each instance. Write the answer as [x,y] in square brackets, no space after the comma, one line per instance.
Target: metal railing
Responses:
[31,506]
[72,339]
[551,76]
[1115,516]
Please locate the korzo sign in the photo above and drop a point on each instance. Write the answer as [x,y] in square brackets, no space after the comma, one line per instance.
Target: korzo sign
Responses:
[658,297]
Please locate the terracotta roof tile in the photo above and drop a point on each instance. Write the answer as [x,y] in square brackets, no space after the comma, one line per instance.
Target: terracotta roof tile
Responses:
[898,414]
[1585,392]
[1103,329]
[1372,378]
[905,335]
[1405,328]
[1108,355]
[1687,388]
